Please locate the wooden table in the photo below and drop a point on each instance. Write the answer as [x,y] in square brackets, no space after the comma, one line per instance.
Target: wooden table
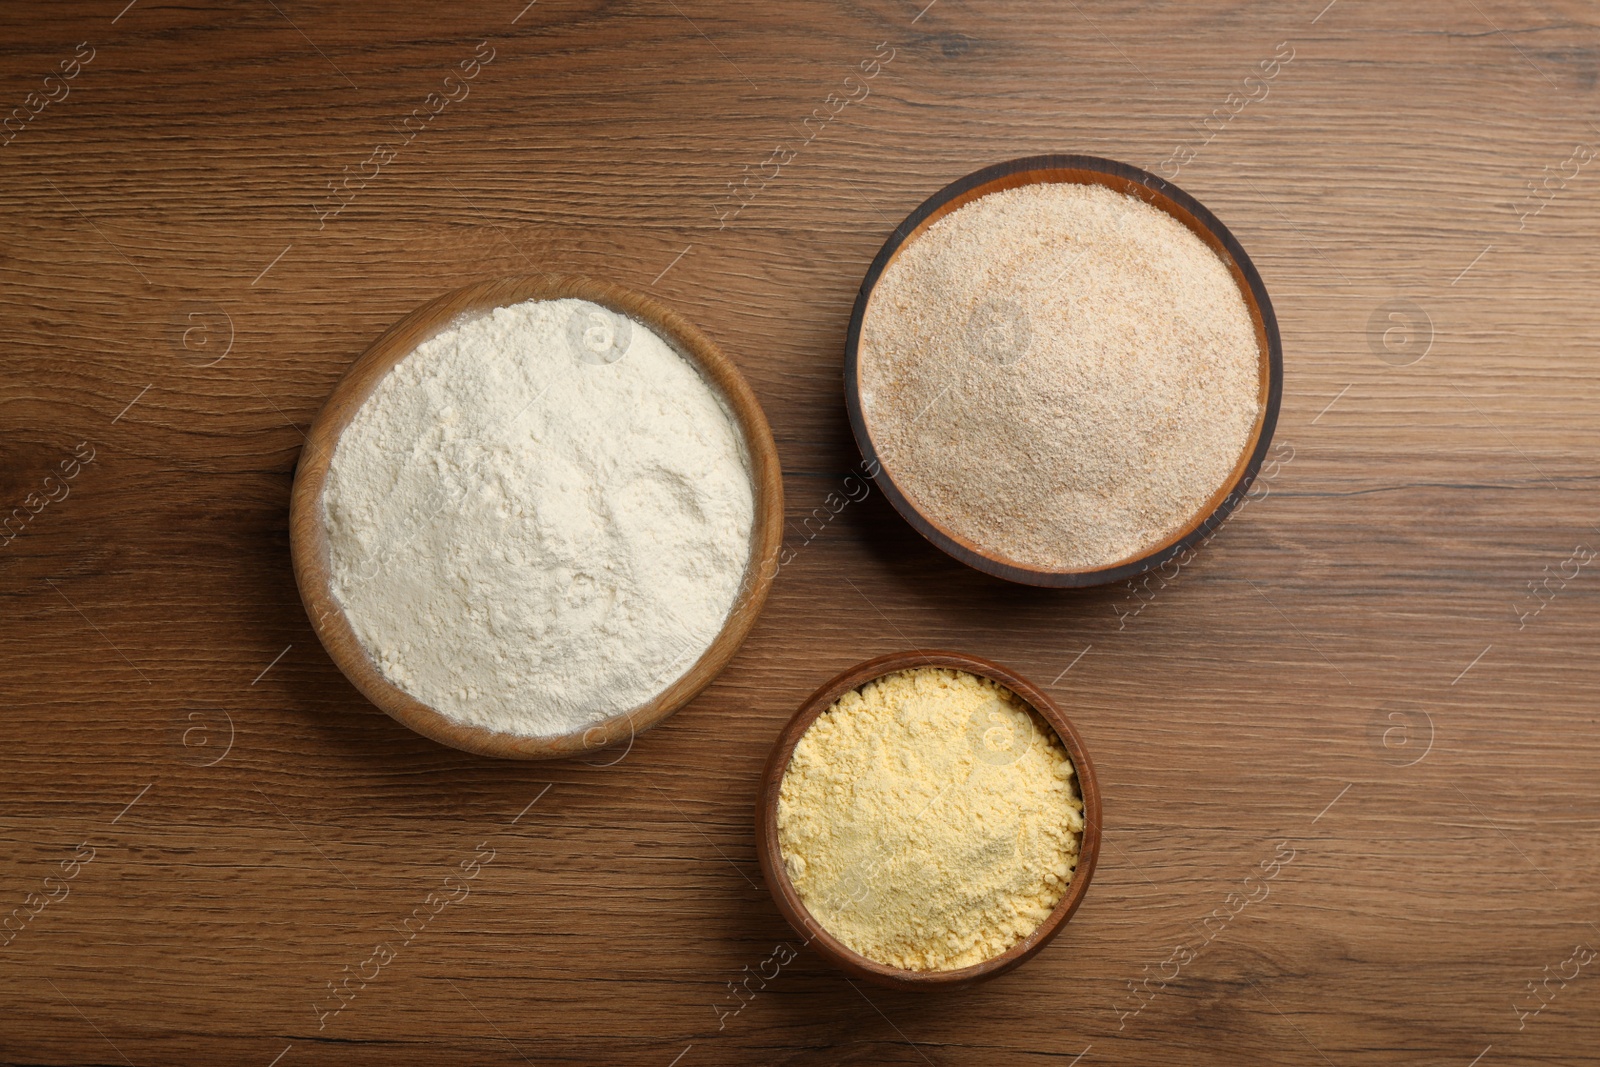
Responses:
[1377,683]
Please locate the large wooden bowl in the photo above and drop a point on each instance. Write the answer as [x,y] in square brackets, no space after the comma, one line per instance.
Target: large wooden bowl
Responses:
[777,875]
[308,534]
[1158,193]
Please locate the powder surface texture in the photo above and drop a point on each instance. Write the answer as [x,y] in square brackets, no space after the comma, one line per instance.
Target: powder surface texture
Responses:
[930,819]
[1060,373]
[540,518]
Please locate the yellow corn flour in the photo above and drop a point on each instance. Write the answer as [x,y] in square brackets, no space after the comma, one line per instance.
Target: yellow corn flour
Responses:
[930,819]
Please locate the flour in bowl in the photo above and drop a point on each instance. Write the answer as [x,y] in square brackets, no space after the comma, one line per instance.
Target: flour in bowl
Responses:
[540,518]
[1060,374]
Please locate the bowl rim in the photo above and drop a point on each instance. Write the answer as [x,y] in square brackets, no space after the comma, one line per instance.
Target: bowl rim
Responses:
[1159,193]
[308,535]
[788,899]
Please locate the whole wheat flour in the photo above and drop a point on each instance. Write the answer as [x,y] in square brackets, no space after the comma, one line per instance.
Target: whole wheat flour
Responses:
[929,820]
[1060,373]
[539,519]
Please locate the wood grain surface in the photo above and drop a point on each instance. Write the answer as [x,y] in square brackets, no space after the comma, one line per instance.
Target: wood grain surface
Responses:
[1347,754]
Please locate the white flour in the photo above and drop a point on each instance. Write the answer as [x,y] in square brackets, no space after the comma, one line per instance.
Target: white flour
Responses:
[539,519]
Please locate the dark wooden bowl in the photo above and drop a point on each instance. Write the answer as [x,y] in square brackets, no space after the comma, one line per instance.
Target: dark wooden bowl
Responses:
[777,875]
[1158,193]
[308,535]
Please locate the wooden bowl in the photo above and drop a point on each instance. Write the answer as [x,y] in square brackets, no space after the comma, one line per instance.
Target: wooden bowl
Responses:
[308,535]
[1158,193]
[777,875]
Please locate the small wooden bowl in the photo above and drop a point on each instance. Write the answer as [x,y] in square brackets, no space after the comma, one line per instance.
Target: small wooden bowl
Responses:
[777,875]
[1158,193]
[308,535]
